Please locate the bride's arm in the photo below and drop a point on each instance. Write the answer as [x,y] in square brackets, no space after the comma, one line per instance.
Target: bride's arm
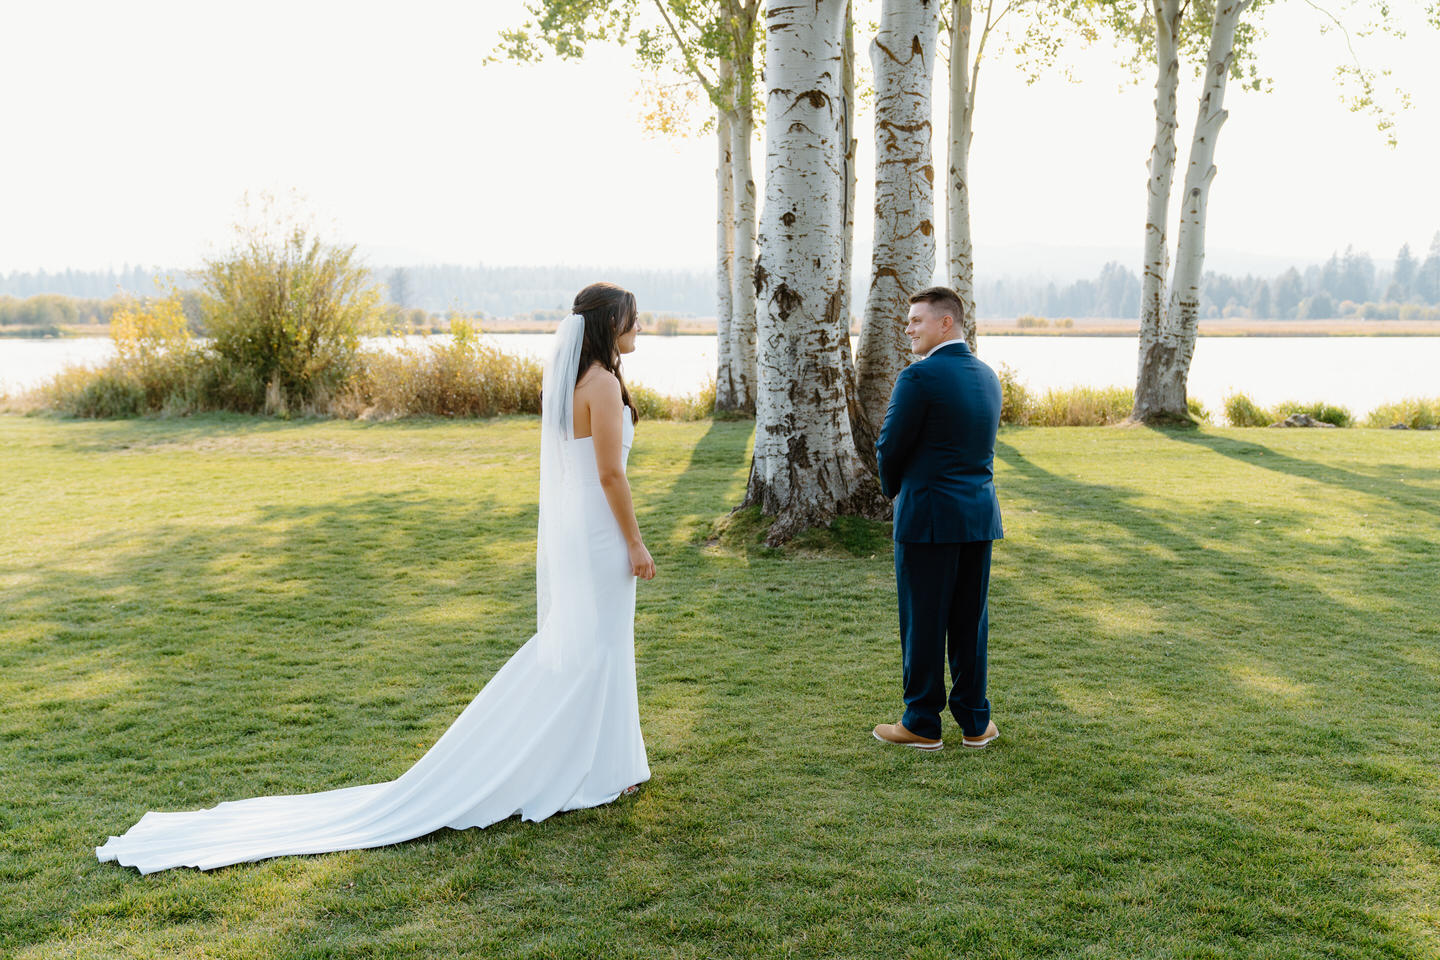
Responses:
[607,426]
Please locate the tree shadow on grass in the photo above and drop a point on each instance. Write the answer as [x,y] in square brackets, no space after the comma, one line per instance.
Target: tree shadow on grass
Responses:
[227,648]
[1195,734]
[1249,696]
[1386,480]
[1182,714]
[300,647]
[1179,699]
[306,647]
[1249,576]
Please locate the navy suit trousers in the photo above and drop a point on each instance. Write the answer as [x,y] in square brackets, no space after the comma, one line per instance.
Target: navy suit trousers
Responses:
[944,594]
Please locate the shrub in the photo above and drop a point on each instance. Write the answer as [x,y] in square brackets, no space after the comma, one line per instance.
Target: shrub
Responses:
[102,394]
[1014,397]
[1417,413]
[286,313]
[1066,324]
[668,326]
[154,350]
[1027,322]
[157,368]
[1241,411]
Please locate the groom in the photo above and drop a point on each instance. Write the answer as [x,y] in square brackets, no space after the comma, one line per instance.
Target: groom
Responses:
[937,455]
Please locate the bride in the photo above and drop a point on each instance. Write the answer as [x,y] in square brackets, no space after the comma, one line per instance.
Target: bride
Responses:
[558,728]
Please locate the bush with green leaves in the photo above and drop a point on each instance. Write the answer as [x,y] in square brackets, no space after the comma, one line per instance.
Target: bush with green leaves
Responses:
[1241,411]
[1014,397]
[106,393]
[286,314]
[157,368]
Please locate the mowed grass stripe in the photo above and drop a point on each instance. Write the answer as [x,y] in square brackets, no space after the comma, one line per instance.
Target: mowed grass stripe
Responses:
[1215,663]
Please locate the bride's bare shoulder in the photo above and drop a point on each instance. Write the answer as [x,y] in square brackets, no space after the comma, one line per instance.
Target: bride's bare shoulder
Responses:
[597,381]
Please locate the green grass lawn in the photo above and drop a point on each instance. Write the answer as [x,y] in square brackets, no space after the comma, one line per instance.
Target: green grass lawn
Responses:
[1215,663]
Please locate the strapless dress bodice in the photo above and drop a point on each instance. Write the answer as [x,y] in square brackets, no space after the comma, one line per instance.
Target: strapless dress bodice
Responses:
[581,452]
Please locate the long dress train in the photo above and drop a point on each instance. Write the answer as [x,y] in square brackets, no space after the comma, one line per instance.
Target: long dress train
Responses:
[533,742]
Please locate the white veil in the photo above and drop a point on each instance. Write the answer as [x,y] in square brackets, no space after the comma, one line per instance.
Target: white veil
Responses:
[564,590]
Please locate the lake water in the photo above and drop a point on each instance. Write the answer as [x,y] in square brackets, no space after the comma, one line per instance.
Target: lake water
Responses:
[1358,372]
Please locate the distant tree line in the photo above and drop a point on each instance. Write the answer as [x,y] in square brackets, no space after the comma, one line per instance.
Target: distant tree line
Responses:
[1346,285]
[508,291]
[1115,293]
[493,291]
[85,284]
[49,311]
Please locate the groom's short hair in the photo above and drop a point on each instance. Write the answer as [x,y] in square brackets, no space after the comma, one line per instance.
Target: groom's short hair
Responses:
[944,299]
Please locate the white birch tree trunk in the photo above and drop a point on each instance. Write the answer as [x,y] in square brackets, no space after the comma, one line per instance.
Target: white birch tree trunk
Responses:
[903,258]
[848,145]
[744,295]
[852,180]
[1167,14]
[960,252]
[1160,388]
[727,374]
[805,470]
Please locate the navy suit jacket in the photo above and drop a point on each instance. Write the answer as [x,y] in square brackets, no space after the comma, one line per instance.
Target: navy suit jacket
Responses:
[936,449]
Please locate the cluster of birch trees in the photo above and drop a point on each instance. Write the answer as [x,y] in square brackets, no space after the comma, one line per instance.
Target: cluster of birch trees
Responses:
[783,266]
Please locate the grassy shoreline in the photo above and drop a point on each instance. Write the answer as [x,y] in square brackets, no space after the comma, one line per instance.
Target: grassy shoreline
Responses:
[1214,663]
[988,327]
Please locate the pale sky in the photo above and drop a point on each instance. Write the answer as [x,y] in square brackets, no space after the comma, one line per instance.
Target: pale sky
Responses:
[128,132]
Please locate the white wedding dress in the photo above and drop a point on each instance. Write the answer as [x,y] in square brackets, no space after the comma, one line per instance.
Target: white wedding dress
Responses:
[557,728]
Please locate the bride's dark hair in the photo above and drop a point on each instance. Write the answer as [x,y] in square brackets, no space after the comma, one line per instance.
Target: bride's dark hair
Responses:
[609,313]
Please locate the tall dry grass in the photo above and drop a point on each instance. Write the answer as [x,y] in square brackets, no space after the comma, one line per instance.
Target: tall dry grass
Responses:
[1070,406]
[654,405]
[1417,413]
[465,376]
[1080,407]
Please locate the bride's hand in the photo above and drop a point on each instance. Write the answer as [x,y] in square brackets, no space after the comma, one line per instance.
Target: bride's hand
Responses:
[640,563]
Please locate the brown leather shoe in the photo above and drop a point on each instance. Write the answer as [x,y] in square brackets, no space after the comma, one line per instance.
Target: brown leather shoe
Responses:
[976,743]
[897,734]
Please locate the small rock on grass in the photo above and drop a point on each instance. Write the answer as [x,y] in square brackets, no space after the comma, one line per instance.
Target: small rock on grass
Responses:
[1302,420]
